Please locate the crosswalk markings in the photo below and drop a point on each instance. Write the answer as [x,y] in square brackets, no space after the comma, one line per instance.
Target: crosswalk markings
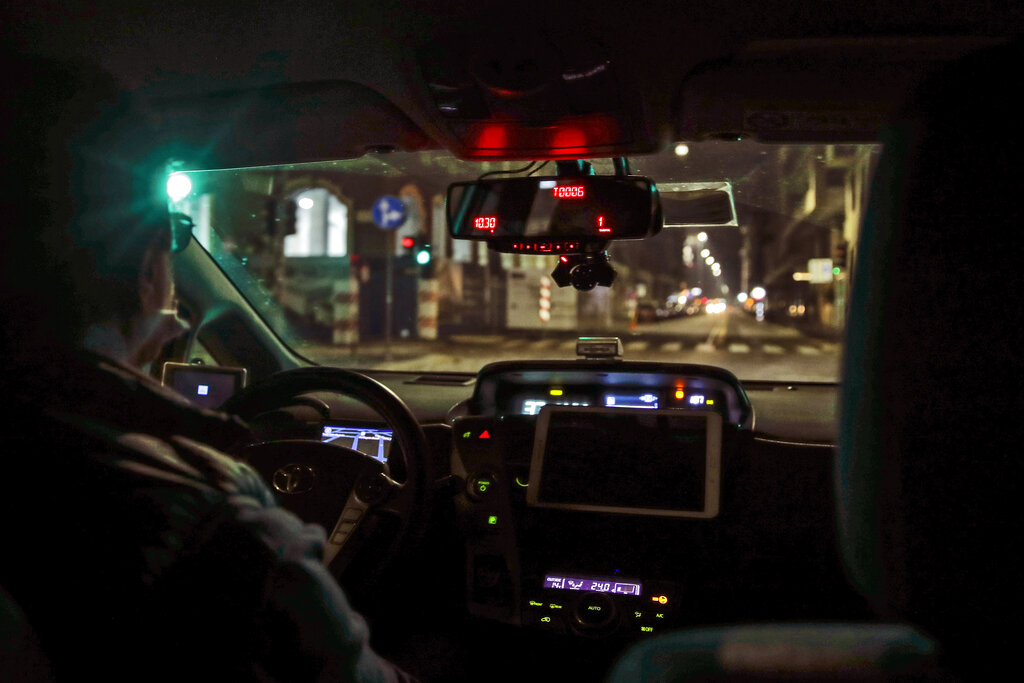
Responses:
[637,346]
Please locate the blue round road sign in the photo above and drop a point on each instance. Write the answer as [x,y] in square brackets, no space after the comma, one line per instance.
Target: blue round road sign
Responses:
[389,212]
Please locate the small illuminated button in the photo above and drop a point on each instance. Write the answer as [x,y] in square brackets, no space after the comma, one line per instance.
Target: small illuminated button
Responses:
[489,522]
[595,610]
[480,486]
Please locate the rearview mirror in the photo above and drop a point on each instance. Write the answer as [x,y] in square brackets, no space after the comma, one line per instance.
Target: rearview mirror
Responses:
[557,213]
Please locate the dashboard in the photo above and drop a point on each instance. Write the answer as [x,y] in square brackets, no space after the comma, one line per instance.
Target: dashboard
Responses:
[617,499]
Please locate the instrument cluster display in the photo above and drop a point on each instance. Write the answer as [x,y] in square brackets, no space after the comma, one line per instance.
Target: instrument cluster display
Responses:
[531,401]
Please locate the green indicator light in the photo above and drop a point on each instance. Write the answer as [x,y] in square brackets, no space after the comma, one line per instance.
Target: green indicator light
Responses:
[492,520]
[554,606]
[179,186]
[546,620]
[482,485]
[647,629]
[659,615]
[637,615]
[594,608]
[535,603]
[835,271]
[466,435]
[524,484]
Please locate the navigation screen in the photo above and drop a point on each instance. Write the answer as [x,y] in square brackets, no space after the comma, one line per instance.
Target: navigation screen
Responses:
[372,441]
[207,386]
[654,462]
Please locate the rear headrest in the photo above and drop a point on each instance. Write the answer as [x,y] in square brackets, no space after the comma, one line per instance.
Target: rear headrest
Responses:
[930,459]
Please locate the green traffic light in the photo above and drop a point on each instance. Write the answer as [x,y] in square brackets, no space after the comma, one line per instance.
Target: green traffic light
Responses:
[423,257]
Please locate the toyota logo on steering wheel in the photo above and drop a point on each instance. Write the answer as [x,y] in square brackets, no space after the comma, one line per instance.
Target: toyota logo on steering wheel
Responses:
[294,478]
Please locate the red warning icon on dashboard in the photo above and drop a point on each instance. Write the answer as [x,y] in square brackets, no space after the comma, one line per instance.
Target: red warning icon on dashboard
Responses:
[484,435]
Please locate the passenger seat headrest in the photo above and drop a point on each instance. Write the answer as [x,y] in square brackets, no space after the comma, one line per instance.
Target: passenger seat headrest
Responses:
[931,459]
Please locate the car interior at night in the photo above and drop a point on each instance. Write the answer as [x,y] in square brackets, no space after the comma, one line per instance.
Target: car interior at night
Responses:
[608,341]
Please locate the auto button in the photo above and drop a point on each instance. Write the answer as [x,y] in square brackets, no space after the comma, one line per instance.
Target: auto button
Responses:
[594,611]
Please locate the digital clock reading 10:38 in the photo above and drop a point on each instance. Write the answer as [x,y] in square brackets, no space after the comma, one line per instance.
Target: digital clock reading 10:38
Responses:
[569,192]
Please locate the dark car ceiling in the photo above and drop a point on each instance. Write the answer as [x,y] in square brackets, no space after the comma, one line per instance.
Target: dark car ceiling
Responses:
[681,70]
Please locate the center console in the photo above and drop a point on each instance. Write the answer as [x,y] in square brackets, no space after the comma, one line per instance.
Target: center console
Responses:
[589,520]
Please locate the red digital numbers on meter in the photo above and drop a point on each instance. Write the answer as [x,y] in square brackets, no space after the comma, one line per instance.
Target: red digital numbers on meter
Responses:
[569,192]
[485,223]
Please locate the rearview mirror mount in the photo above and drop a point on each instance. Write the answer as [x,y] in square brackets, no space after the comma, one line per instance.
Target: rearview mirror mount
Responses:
[573,217]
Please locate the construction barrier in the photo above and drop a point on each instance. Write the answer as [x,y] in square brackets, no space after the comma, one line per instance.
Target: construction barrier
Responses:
[544,304]
[345,308]
[428,295]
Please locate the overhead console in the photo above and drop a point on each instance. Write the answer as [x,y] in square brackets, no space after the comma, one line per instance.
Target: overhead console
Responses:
[577,473]
[521,94]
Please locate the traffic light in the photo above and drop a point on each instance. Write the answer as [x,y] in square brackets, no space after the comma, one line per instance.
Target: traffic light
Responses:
[839,254]
[278,219]
[422,253]
[408,243]
[291,209]
[268,216]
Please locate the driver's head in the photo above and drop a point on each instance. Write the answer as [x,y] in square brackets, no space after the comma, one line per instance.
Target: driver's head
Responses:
[86,244]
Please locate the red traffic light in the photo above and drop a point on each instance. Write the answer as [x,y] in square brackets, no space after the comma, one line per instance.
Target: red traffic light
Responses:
[408,242]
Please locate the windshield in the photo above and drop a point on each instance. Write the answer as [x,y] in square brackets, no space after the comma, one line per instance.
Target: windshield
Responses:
[350,262]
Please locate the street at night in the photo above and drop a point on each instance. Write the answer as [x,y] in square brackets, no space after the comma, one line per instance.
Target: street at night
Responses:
[734,340]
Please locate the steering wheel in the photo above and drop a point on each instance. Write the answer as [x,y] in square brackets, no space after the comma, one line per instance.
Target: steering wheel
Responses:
[350,494]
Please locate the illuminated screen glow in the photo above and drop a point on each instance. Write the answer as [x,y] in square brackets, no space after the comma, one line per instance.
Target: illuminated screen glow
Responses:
[552,211]
[532,406]
[370,441]
[596,585]
[646,400]
[207,387]
[569,192]
[485,223]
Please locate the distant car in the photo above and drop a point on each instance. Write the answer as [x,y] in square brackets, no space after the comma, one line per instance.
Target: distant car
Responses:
[647,311]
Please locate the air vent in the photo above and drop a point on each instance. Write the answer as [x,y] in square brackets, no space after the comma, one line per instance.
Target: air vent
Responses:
[444,380]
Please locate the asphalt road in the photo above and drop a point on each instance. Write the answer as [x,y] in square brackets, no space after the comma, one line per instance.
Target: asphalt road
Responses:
[734,340]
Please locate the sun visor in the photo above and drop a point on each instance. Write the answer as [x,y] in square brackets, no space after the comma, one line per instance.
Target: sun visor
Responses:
[813,91]
[299,123]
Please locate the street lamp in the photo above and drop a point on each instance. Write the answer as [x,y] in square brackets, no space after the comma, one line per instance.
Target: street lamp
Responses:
[702,237]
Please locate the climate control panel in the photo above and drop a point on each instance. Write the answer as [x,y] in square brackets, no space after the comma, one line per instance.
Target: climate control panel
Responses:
[600,606]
